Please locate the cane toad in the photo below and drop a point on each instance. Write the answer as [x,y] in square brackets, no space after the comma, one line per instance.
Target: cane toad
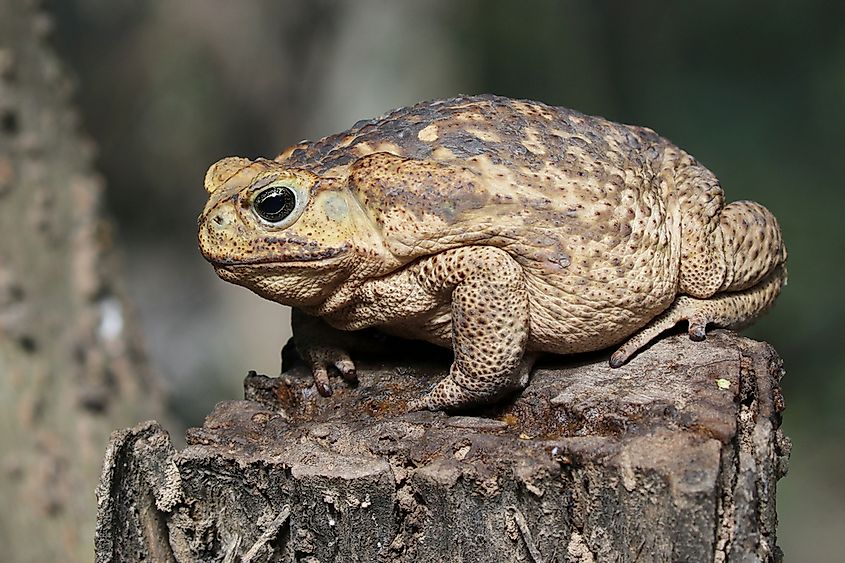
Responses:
[501,228]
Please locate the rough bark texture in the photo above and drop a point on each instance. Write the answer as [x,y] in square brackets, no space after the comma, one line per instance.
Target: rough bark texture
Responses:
[673,457]
[69,369]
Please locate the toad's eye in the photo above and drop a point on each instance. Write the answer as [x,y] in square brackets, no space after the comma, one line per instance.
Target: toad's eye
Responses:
[274,204]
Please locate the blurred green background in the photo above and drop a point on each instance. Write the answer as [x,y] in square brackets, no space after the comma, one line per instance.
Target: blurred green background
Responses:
[755,90]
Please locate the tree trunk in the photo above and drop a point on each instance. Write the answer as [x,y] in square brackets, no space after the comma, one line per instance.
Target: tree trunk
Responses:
[673,457]
[70,370]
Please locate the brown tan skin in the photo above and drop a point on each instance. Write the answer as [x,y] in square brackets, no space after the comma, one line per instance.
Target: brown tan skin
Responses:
[501,228]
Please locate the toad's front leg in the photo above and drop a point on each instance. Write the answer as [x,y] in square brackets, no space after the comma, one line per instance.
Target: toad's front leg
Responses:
[489,305]
[322,348]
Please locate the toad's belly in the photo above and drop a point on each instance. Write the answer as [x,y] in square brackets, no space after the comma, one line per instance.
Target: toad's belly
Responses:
[570,314]
[565,317]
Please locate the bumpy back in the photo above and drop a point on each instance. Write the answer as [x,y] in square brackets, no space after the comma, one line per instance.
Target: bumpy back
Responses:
[541,181]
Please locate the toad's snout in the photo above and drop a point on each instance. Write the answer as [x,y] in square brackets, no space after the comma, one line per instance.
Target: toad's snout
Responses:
[218,230]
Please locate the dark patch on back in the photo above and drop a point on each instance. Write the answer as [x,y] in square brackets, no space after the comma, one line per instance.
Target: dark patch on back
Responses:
[463,144]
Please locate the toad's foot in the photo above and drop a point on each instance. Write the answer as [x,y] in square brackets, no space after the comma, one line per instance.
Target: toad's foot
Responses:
[322,358]
[457,390]
[308,333]
[448,394]
[728,310]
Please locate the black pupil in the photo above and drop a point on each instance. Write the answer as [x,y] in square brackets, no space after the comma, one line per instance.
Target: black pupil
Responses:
[274,204]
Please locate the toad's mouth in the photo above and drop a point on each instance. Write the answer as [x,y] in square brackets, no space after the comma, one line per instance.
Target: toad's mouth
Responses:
[304,258]
[280,262]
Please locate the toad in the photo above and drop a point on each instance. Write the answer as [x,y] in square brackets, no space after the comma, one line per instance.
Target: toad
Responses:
[501,228]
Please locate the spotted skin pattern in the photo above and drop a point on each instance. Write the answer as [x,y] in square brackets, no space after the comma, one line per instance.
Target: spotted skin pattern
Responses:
[500,228]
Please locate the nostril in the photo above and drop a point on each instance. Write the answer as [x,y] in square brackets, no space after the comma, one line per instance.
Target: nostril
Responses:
[219,219]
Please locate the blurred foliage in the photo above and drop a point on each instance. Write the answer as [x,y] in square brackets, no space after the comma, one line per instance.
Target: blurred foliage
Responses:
[755,90]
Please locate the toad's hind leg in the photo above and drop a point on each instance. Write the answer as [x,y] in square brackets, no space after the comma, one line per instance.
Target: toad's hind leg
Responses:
[729,310]
[730,274]
[753,257]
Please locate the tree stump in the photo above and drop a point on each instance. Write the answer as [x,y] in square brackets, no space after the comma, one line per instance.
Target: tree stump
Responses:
[673,457]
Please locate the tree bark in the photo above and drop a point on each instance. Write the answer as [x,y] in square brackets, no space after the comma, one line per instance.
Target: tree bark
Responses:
[70,369]
[673,457]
